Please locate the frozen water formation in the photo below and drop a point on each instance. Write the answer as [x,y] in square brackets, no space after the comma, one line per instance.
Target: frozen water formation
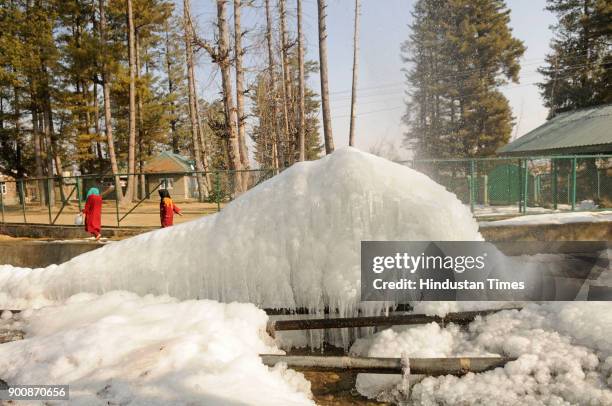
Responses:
[563,351]
[292,241]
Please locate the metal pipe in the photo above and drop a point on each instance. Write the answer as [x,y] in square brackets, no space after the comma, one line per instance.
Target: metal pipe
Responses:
[460,318]
[416,366]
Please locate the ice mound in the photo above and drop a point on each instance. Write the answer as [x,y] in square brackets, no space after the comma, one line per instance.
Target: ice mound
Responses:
[120,349]
[293,241]
[564,353]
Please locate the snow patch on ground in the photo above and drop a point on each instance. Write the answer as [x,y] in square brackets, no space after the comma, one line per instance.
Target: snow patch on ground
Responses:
[120,348]
[564,355]
[553,218]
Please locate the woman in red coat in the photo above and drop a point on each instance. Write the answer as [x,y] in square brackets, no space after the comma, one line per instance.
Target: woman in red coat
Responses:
[93,212]
[167,208]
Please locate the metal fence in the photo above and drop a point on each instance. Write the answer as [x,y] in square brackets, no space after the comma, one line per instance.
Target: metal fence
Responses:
[490,186]
[525,185]
[58,200]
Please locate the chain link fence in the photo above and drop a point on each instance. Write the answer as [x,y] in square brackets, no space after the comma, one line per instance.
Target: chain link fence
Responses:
[499,186]
[490,186]
[59,200]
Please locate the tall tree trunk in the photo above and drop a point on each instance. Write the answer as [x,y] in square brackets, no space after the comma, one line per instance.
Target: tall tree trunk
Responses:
[301,107]
[94,103]
[108,120]
[238,52]
[355,72]
[276,142]
[231,118]
[173,130]
[139,114]
[193,110]
[38,157]
[327,127]
[129,193]
[287,90]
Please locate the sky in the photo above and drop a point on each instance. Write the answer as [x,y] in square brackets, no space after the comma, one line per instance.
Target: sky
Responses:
[384,25]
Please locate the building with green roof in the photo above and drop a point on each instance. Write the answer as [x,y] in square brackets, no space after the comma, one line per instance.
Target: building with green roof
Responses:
[584,131]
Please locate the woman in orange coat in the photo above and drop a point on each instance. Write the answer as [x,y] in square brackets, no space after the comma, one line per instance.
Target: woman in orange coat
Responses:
[93,212]
[167,208]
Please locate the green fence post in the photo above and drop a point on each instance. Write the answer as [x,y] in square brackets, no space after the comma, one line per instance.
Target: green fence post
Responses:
[117,191]
[2,198]
[472,184]
[574,183]
[525,187]
[49,188]
[22,198]
[78,192]
[598,183]
[218,190]
[554,183]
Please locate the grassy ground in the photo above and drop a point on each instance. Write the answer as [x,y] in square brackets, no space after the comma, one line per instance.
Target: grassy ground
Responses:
[145,215]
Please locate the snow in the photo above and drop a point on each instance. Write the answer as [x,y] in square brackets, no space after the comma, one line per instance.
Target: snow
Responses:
[564,353]
[120,348]
[554,218]
[292,241]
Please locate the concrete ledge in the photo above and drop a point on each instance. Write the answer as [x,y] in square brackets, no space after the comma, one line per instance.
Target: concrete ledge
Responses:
[34,230]
[39,254]
[601,231]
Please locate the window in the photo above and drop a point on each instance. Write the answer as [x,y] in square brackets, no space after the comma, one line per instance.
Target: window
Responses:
[3,188]
[167,184]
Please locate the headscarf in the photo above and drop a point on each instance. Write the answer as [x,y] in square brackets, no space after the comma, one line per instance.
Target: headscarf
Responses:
[163,193]
[93,191]
[165,197]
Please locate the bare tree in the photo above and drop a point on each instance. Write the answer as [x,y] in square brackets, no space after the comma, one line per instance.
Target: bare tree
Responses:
[327,127]
[108,125]
[129,192]
[193,106]
[287,89]
[355,72]
[301,108]
[276,142]
[239,52]
[220,55]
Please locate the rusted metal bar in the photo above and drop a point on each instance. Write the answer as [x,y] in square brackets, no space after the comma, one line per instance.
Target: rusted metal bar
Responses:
[64,203]
[140,201]
[371,321]
[418,366]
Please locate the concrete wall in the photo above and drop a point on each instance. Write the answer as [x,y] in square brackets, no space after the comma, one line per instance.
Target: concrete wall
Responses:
[37,254]
[601,231]
[32,230]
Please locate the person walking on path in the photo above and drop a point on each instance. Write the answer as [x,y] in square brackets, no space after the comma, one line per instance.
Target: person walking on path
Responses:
[93,213]
[167,208]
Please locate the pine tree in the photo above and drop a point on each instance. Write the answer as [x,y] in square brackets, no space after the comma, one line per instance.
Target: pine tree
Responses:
[578,70]
[459,52]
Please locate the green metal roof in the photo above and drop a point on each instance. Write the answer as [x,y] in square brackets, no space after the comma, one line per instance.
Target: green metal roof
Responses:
[586,130]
